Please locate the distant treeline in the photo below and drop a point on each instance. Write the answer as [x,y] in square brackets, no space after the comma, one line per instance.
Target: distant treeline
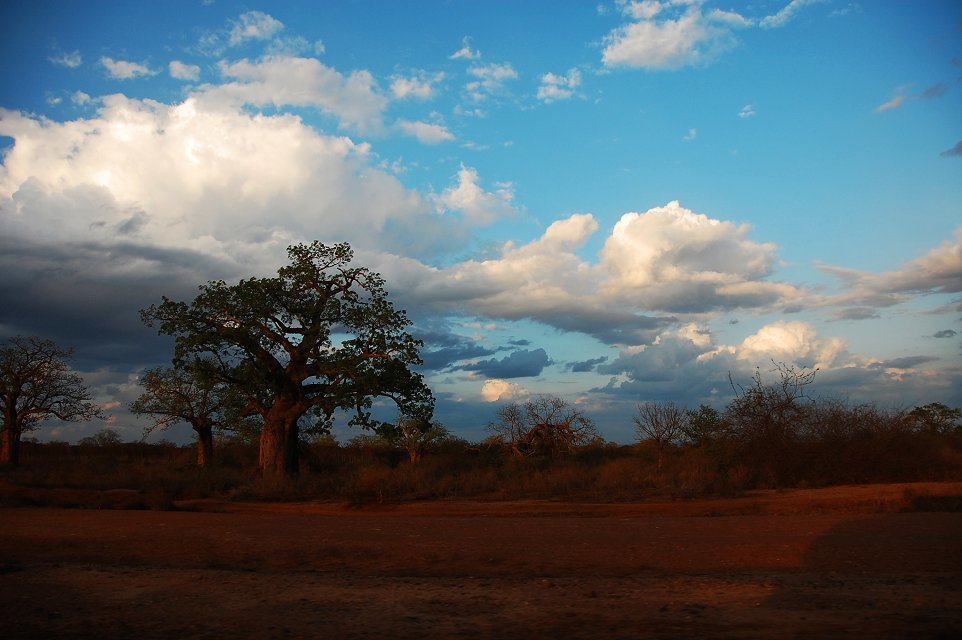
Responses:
[769,437]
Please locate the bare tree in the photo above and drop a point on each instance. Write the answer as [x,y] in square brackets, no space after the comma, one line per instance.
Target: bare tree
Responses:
[546,425]
[37,384]
[662,423]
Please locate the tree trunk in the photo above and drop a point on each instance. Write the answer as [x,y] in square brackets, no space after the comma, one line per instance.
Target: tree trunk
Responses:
[278,451]
[10,446]
[205,446]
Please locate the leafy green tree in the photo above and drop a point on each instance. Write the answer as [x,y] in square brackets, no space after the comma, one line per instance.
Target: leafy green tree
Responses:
[176,394]
[546,425]
[937,417]
[37,384]
[318,338]
[703,425]
[414,435]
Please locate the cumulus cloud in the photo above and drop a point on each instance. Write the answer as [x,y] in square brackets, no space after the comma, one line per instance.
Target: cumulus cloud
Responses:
[253,25]
[183,71]
[124,69]
[502,391]
[491,79]
[170,175]
[673,259]
[420,86]
[559,87]
[71,60]
[478,206]
[280,80]
[465,52]
[425,132]
[748,111]
[666,34]
[688,362]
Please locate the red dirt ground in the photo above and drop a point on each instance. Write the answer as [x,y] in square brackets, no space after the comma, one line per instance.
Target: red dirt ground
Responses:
[828,563]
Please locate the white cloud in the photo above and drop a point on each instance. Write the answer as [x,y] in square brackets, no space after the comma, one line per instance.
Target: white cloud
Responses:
[748,111]
[691,135]
[182,71]
[938,271]
[668,42]
[465,52]
[491,79]
[671,258]
[124,69]
[668,34]
[80,98]
[426,132]
[193,178]
[790,342]
[280,80]
[420,86]
[479,207]
[894,103]
[496,390]
[554,87]
[70,60]
[786,14]
[253,25]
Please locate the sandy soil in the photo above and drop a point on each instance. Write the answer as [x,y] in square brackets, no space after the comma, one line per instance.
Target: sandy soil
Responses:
[830,563]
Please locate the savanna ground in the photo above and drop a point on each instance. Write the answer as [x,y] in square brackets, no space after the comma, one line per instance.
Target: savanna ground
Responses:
[868,561]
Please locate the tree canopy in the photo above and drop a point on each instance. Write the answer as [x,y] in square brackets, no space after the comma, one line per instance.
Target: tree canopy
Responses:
[319,338]
[36,384]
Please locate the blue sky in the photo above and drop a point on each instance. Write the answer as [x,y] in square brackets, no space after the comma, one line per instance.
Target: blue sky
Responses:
[609,201]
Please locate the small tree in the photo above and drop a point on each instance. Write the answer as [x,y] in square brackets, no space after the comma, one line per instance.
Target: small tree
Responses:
[662,423]
[546,425]
[103,438]
[36,384]
[937,417]
[414,435]
[703,425]
[768,420]
[179,394]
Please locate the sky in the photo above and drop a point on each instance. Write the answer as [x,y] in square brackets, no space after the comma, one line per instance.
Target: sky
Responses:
[613,202]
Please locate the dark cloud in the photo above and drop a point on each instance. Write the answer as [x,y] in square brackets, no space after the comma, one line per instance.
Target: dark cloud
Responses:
[908,362]
[856,313]
[89,296]
[937,90]
[586,365]
[945,333]
[520,364]
[441,359]
[954,151]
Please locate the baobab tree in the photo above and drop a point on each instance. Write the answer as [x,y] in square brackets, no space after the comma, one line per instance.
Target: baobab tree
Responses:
[176,394]
[319,338]
[36,384]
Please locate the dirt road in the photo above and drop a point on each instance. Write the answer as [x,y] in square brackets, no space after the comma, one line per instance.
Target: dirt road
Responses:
[485,570]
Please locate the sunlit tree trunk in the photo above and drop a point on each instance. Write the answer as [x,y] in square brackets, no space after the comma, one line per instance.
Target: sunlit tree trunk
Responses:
[10,447]
[278,450]
[10,439]
[205,446]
